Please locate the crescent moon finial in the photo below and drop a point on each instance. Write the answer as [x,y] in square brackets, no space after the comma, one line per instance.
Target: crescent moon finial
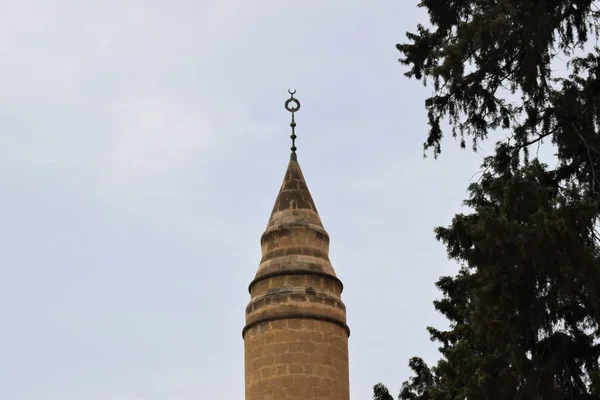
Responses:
[292,105]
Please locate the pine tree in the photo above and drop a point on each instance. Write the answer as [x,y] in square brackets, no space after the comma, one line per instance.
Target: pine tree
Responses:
[524,309]
[380,392]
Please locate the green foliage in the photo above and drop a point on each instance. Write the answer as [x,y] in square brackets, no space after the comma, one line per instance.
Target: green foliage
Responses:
[479,51]
[380,392]
[524,308]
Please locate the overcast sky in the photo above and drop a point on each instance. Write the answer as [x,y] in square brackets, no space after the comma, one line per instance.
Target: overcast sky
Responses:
[142,144]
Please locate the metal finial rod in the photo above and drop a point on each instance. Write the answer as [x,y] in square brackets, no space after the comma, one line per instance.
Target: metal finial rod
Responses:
[293,105]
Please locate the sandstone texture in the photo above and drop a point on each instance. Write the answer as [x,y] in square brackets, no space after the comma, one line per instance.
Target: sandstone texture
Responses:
[296,337]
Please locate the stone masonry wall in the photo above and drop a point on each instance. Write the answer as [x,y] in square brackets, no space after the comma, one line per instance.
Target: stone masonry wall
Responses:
[296,359]
[296,336]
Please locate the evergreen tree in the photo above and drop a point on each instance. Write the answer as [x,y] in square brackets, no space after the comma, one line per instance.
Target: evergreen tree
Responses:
[525,306]
[380,392]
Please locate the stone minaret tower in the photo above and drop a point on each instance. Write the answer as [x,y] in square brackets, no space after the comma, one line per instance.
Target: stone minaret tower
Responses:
[296,337]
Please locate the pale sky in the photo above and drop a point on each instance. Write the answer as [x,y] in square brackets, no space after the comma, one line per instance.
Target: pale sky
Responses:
[142,144]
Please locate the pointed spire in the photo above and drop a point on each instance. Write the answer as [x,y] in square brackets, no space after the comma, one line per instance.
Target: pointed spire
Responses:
[294,202]
[293,105]
[296,335]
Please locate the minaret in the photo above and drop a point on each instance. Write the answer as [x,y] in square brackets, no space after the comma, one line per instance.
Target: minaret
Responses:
[296,337]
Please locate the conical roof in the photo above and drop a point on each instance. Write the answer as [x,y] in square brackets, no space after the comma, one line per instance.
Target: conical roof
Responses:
[294,202]
[295,239]
[295,261]
[295,279]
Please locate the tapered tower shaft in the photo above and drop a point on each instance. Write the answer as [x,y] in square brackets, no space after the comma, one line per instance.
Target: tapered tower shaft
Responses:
[296,337]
